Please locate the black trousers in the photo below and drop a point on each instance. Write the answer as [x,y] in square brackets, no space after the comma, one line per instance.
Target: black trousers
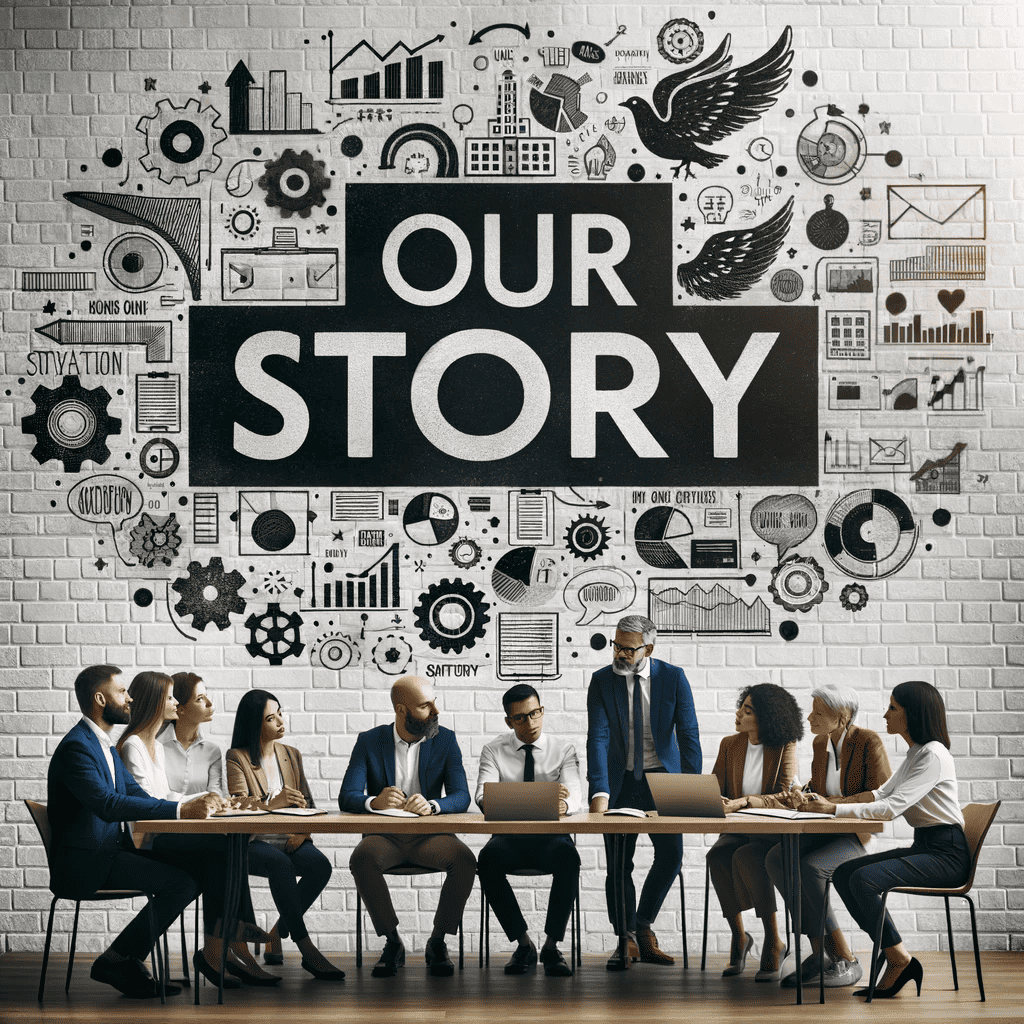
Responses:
[668,859]
[556,855]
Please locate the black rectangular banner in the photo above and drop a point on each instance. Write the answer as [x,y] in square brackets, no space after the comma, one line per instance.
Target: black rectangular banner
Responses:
[502,335]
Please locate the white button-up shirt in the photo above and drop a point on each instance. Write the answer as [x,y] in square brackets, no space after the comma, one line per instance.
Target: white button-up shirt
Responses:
[199,769]
[503,760]
[407,770]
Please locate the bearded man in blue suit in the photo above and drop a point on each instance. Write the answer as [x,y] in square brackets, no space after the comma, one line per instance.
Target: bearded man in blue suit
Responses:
[414,765]
[640,719]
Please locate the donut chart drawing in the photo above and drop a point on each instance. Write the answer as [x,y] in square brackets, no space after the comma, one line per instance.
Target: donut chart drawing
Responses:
[870,534]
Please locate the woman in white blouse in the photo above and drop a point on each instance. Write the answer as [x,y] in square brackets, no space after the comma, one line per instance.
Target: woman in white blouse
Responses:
[924,790]
[194,764]
[152,705]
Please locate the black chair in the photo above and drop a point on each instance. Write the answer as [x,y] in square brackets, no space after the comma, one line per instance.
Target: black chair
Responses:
[398,869]
[42,823]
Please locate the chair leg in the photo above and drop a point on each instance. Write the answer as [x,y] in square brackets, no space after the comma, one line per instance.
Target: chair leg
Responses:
[462,946]
[876,948]
[184,950]
[71,951]
[952,951]
[821,945]
[359,930]
[977,952]
[46,949]
[480,951]
[579,930]
[707,894]
[682,914]
[196,927]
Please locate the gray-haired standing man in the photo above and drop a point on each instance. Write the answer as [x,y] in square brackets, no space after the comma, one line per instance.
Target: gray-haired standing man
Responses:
[640,719]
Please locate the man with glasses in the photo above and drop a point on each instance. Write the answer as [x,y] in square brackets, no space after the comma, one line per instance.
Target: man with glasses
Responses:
[525,755]
[640,719]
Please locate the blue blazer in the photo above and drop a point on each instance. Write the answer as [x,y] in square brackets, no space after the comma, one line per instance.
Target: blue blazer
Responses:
[86,810]
[372,767]
[673,726]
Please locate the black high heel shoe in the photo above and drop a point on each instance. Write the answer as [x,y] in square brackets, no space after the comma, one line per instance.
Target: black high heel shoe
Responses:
[265,980]
[912,972]
[334,974]
[202,966]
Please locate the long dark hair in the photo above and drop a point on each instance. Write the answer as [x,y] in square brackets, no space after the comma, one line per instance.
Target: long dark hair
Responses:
[926,712]
[778,715]
[184,688]
[148,692]
[249,722]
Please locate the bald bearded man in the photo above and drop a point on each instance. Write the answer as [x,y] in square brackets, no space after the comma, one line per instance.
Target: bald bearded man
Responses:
[407,765]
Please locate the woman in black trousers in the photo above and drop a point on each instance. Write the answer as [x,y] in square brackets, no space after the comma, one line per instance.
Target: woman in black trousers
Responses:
[924,790]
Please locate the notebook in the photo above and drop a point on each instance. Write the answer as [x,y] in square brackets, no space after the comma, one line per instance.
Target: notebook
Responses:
[686,796]
[521,801]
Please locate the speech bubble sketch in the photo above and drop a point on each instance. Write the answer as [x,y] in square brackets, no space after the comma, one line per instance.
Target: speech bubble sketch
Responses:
[597,591]
[109,499]
[784,520]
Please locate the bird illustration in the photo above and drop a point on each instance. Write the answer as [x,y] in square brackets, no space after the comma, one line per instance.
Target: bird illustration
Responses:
[733,261]
[708,102]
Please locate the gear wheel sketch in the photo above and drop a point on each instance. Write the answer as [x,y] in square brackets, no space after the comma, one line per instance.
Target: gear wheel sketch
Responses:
[205,610]
[153,542]
[71,424]
[274,635]
[181,141]
[465,553]
[587,537]
[392,654]
[854,597]
[451,615]
[798,584]
[295,182]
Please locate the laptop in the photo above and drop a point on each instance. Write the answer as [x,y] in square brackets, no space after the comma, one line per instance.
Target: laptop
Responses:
[686,796]
[521,801]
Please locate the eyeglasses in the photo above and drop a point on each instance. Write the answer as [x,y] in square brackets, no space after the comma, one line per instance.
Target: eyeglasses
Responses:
[534,714]
[619,649]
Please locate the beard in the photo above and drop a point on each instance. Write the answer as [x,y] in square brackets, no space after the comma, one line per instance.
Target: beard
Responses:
[116,716]
[621,667]
[423,728]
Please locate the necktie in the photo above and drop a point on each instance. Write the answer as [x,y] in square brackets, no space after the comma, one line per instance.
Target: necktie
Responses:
[638,729]
[528,766]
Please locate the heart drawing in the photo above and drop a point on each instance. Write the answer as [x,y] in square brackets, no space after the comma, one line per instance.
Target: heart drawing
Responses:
[951,301]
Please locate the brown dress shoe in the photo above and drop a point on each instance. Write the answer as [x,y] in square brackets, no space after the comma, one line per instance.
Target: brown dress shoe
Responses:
[647,941]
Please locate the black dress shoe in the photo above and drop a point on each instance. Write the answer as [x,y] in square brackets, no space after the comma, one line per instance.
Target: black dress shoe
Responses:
[391,958]
[555,965]
[246,978]
[202,966]
[617,962]
[439,963]
[125,976]
[331,974]
[522,960]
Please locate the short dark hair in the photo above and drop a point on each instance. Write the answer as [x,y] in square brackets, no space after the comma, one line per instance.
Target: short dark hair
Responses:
[148,691]
[778,715]
[89,681]
[926,712]
[517,694]
[249,722]
[185,686]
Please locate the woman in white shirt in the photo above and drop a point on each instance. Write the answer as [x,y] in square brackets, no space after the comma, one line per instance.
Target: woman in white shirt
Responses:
[152,705]
[193,763]
[924,790]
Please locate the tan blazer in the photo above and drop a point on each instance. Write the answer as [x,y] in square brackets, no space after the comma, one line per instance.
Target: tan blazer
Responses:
[246,779]
[779,770]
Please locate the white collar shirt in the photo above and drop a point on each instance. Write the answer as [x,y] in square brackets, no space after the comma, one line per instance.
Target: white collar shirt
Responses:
[503,760]
[834,754]
[197,769]
[105,745]
[651,760]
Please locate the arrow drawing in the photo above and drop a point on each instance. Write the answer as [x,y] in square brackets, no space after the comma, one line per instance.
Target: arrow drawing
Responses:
[477,36]
[334,65]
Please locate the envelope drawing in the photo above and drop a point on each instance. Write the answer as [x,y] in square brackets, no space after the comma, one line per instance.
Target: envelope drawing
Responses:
[887,452]
[936,211]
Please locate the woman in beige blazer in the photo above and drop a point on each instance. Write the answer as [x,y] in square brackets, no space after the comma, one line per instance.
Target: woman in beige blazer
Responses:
[270,774]
[754,767]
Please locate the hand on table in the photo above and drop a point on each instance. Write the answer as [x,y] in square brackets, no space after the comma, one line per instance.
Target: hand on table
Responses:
[599,805]
[202,806]
[288,797]
[388,798]
[734,805]
[417,804]
[813,802]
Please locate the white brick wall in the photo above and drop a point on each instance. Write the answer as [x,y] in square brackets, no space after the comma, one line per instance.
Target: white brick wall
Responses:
[946,77]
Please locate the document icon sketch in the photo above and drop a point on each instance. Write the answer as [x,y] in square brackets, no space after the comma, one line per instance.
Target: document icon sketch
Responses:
[936,211]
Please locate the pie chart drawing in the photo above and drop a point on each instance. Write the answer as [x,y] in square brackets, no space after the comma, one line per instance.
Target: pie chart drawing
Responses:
[522,576]
[870,534]
[430,518]
[659,534]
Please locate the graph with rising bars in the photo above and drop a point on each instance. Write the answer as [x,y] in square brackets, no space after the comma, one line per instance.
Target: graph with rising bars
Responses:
[973,333]
[375,588]
[941,263]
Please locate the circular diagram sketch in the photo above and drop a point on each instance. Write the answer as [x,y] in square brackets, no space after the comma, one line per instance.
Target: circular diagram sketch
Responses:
[660,535]
[870,534]
[133,262]
[831,148]
[430,518]
[680,41]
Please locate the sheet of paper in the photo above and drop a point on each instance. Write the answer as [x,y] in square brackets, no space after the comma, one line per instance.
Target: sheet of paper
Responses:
[632,812]
[396,812]
[234,812]
[299,812]
[781,812]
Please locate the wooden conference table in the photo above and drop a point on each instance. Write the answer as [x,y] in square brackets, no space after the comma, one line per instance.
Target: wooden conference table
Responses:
[239,828]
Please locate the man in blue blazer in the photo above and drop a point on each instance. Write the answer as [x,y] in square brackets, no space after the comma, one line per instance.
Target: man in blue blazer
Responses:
[639,704]
[90,793]
[406,766]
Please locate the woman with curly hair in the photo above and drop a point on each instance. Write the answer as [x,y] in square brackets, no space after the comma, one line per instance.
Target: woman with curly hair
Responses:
[754,768]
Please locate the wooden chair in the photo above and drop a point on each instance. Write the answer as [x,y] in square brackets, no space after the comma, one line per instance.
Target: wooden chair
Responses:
[398,869]
[42,823]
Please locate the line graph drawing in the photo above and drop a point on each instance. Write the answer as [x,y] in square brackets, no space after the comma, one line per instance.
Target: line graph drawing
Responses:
[367,86]
[676,610]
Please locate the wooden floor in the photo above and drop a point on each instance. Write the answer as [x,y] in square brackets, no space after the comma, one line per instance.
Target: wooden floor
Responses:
[646,993]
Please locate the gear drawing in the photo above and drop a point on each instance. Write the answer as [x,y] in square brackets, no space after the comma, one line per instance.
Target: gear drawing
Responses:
[451,615]
[295,182]
[798,584]
[274,635]
[854,597]
[153,542]
[205,610]
[465,553]
[392,654]
[335,650]
[71,424]
[181,141]
[587,537]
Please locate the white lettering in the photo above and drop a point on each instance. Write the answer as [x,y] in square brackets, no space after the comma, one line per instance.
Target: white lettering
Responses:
[583,260]
[463,260]
[545,262]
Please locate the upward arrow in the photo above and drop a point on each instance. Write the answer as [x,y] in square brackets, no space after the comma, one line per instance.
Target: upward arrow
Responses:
[238,83]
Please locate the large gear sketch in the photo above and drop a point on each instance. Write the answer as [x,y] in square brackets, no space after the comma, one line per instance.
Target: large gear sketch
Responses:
[798,584]
[295,183]
[274,635]
[587,537]
[181,141]
[153,542]
[205,610]
[451,615]
[71,424]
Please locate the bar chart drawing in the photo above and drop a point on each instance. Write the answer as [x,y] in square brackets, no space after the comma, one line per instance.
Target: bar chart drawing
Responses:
[376,588]
[941,263]
[266,110]
[404,82]
[948,334]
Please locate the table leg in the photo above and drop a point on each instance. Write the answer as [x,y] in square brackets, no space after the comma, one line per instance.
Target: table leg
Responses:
[234,871]
[791,848]
[620,875]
